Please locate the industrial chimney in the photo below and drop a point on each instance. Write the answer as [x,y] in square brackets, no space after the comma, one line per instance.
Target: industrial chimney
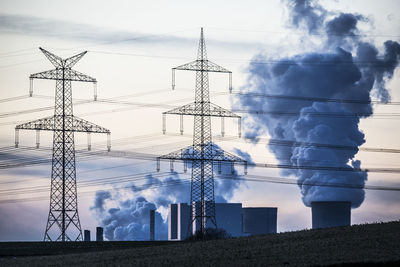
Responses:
[152,217]
[327,214]
[99,234]
[86,235]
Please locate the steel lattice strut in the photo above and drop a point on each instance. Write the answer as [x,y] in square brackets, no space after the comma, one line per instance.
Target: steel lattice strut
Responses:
[202,153]
[63,221]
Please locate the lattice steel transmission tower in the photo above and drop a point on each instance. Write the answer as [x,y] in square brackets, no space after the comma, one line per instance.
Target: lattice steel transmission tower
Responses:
[203,153]
[63,221]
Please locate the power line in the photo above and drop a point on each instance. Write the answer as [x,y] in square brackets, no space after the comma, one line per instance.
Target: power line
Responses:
[180,182]
[17,51]
[389,115]
[232,60]
[150,156]
[291,143]
[89,45]
[316,99]
[13,98]
[15,113]
[150,137]
[287,62]
[302,33]
[336,115]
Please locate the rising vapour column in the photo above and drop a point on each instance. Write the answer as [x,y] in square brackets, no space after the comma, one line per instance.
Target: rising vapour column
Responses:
[63,222]
[202,153]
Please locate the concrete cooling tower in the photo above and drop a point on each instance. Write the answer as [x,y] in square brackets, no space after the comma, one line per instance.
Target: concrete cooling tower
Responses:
[327,214]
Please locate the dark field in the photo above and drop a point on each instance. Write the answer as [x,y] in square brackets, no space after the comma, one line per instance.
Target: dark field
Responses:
[360,244]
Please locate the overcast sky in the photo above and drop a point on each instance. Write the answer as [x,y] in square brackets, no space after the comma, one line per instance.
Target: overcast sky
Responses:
[132,47]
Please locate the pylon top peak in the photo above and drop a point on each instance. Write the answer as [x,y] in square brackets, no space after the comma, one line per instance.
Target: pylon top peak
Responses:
[58,62]
[202,53]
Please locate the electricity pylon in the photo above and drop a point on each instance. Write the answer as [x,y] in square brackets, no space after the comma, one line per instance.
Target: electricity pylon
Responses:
[203,153]
[63,221]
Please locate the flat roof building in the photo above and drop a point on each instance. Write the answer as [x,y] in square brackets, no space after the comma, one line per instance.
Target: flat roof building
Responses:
[178,221]
[258,221]
[231,217]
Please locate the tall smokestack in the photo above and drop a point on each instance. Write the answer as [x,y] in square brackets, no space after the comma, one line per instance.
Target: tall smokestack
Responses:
[152,216]
[327,214]
[99,234]
[86,235]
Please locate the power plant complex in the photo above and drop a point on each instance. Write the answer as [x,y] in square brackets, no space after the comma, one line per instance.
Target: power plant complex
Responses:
[232,217]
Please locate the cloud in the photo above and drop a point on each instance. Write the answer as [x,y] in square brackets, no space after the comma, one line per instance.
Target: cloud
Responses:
[46,27]
[30,25]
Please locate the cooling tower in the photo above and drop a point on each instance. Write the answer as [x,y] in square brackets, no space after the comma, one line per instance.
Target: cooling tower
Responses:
[330,213]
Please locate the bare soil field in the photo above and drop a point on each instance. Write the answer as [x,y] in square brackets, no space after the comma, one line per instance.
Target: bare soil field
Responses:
[360,245]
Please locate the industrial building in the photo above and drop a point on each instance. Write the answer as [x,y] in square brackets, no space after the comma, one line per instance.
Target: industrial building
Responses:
[178,221]
[232,217]
[257,221]
[330,214]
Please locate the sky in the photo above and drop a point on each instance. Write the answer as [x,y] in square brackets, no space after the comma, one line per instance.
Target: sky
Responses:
[132,46]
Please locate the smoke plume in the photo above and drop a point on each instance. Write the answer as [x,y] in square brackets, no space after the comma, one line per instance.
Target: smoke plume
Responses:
[345,67]
[124,214]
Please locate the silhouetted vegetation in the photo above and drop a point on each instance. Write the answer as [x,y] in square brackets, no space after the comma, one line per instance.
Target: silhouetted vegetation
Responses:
[358,245]
[211,234]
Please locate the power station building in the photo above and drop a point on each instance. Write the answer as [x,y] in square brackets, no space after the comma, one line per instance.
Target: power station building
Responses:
[258,221]
[330,214]
[232,217]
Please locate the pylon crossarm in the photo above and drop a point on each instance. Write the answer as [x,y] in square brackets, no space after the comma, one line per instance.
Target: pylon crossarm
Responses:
[188,66]
[71,61]
[218,111]
[212,67]
[81,125]
[55,60]
[221,155]
[182,154]
[214,111]
[202,65]
[45,124]
[79,77]
[47,75]
[59,74]
[192,153]
[183,110]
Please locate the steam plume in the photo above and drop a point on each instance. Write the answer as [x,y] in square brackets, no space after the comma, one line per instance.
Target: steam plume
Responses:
[128,218]
[348,68]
